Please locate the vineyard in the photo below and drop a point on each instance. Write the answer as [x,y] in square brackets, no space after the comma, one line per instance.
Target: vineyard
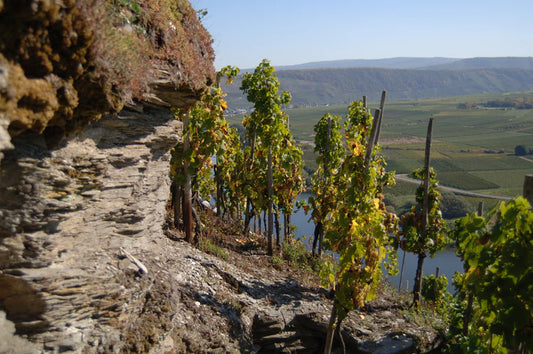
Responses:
[255,175]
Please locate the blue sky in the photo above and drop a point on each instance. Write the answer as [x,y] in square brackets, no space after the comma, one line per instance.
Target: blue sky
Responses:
[295,31]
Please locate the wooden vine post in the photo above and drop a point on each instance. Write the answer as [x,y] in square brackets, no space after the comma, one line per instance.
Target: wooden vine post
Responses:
[177,191]
[376,128]
[381,107]
[372,138]
[419,270]
[319,227]
[270,203]
[401,272]
[249,209]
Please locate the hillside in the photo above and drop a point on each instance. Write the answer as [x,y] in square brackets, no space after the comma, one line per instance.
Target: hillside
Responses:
[73,169]
[341,86]
[435,63]
[91,260]
[391,63]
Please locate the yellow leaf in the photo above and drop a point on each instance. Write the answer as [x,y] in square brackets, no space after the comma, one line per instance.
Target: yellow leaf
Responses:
[353,227]
[356,149]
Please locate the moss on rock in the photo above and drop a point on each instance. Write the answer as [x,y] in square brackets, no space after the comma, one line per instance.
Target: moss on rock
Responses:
[65,63]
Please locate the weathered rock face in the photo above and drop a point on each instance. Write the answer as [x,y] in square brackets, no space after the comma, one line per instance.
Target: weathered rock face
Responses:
[66,214]
[72,212]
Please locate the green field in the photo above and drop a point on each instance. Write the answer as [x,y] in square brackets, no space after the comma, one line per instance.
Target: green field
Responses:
[472,149]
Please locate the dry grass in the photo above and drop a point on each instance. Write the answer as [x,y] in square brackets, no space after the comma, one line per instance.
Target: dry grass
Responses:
[133,36]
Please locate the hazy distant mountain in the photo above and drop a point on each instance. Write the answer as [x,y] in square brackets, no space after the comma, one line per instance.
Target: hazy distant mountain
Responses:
[390,63]
[486,63]
[436,63]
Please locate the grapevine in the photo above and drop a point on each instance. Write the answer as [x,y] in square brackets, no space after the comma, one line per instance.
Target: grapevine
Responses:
[358,228]
[206,133]
[497,252]
[330,149]
[269,143]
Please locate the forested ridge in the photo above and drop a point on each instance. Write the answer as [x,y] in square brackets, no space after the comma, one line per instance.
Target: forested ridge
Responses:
[311,87]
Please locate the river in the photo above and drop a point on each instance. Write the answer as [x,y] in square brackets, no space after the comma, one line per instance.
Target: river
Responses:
[446,260]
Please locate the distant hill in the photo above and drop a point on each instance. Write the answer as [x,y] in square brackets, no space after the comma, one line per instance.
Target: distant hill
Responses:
[486,63]
[390,63]
[435,63]
[341,86]
[341,81]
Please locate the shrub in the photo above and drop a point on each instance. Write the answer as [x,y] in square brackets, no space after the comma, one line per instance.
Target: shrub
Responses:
[520,150]
[295,252]
[88,57]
